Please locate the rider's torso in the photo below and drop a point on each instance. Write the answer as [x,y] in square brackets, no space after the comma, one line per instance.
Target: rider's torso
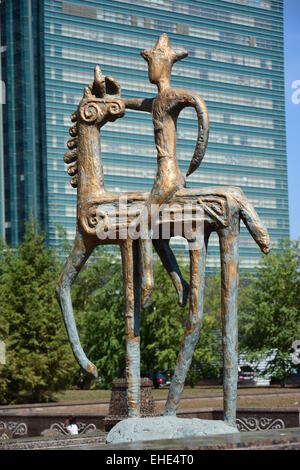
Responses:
[164,122]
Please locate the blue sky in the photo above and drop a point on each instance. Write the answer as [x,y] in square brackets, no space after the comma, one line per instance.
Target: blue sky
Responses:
[292,73]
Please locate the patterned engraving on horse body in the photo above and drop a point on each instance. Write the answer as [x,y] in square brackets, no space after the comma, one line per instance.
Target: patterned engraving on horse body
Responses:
[95,214]
[259,424]
[216,208]
[111,217]
[14,429]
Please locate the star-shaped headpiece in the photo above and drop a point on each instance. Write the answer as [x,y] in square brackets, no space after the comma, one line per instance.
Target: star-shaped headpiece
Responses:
[164,50]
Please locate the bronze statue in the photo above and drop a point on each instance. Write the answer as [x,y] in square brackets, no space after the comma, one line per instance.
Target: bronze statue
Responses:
[221,209]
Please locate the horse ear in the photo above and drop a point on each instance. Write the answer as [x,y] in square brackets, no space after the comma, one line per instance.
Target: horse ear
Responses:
[180,54]
[112,86]
[145,55]
[99,83]
[87,92]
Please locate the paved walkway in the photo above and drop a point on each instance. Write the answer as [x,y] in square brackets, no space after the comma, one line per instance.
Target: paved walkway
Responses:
[282,439]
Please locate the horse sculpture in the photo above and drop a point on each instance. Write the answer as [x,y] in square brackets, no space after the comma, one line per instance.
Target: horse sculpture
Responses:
[214,209]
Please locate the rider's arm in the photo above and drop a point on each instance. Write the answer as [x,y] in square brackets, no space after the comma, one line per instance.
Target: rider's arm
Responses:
[182,99]
[139,104]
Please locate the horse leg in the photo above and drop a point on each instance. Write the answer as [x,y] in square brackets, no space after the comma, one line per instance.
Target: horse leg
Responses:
[76,259]
[146,270]
[229,305]
[169,262]
[194,322]
[131,277]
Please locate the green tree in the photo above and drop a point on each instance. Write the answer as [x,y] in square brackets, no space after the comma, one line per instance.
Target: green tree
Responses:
[39,358]
[271,317]
[99,301]
[64,245]
[208,353]
[162,325]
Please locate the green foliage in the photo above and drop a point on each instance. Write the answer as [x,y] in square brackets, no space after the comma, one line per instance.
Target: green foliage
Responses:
[271,317]
[99,300]
[162,325]
[64,245]
[208,352]
[98,297]
[39,358]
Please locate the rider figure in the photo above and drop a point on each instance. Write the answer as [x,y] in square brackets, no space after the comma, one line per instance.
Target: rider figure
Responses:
[165,108]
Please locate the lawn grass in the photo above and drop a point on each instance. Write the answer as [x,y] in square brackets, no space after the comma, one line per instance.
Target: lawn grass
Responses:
[83,395]
[290,401]
[214,392]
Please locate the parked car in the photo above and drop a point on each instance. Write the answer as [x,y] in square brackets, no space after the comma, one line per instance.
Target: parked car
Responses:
[246,376]
[161,379]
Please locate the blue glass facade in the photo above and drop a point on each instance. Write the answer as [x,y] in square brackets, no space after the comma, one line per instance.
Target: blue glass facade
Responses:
[235,61]
[23,127]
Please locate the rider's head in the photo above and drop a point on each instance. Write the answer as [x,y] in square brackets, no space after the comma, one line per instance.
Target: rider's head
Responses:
[161,58]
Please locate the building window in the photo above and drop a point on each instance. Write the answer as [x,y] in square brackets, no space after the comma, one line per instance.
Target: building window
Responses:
[74,9]
[182,29]
[134,20]
[70,211]
[252,41]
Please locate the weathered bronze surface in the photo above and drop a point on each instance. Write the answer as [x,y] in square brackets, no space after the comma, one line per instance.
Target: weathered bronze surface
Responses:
[220,209]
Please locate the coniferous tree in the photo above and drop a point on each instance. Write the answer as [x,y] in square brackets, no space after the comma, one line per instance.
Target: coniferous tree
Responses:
[39,359]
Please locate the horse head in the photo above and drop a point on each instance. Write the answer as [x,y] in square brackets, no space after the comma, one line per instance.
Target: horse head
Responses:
[100,104]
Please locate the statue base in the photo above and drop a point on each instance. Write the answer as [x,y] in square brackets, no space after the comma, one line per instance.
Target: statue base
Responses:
[118,402]
[165,427]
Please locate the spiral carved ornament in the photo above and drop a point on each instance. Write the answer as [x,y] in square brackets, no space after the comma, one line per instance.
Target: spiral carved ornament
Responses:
[93,112]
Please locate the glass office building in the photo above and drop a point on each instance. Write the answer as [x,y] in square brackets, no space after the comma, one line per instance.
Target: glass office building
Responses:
[2,198]
[235,62]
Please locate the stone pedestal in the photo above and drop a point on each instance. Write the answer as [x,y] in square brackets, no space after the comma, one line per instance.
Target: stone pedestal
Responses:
[118,403]
[166,427]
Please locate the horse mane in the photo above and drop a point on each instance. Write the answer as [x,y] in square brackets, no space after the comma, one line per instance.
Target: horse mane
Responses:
[102,87]
[70,157]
